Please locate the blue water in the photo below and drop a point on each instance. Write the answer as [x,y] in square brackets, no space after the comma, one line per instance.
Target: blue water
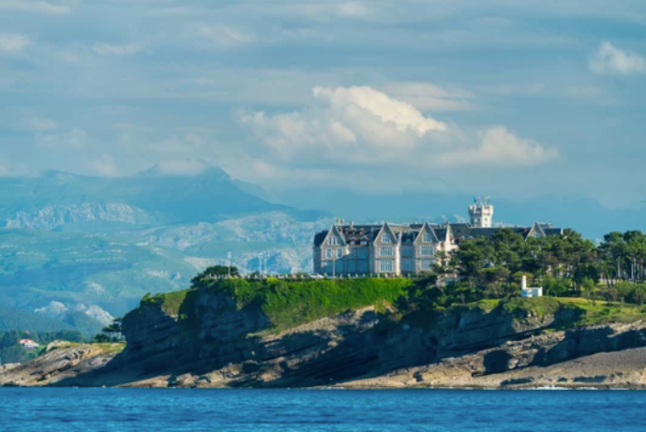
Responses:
[320,410]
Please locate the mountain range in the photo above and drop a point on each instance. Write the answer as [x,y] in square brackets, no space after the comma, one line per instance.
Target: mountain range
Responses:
[95,246]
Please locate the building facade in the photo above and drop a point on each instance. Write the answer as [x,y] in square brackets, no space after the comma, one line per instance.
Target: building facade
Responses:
[412,249]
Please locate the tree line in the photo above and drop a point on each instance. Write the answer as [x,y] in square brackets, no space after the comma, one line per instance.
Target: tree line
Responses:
[613,269]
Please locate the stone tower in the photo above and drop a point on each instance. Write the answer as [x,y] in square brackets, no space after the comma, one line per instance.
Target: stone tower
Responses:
[481,213]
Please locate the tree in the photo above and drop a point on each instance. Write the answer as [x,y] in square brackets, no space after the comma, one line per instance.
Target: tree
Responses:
[588,287]
[624,290]
[472,256]
[111,332]
[216,271]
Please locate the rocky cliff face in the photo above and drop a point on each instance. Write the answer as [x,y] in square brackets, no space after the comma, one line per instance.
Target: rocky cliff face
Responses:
[210,342]
[60,361]
[601,356]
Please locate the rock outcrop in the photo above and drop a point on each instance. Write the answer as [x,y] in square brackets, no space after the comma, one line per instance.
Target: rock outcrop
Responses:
[601,356]
[60,361]
[211,342]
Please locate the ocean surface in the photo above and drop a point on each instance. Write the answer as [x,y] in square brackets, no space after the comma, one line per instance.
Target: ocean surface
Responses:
[320,410]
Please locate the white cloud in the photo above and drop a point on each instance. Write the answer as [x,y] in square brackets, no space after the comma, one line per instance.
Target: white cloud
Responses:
[360,125]
[222,36]
[431,97]
[189,144]
[498,146]
[10,43]
[610,60]
[14,169]
[352,10]
[75,139]
[402,115]
[104,167]
[30,6]
[356,124]
[117,50]
[41,124]
[183,167]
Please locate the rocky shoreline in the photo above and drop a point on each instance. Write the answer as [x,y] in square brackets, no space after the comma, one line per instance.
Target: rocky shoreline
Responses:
[222,346]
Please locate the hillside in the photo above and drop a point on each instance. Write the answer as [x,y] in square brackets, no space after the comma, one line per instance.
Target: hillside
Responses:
[89,242]
[361,333]
[20,320]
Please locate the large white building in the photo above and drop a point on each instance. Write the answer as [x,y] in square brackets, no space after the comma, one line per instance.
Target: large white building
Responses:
[348,249]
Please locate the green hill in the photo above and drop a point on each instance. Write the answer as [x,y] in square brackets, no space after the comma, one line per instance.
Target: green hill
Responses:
[20,320]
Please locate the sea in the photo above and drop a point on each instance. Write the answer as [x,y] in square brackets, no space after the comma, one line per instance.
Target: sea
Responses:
[157,410]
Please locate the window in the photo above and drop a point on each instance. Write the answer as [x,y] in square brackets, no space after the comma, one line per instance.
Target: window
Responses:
[328,253]
[427,251]
[407,266]
[386,266]
[428,238]
[407,252]
[427,265]
[332,241]
[385,238]
[339,253]
[386,251]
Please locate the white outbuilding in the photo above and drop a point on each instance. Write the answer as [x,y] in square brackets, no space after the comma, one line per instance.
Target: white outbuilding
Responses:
[529,291]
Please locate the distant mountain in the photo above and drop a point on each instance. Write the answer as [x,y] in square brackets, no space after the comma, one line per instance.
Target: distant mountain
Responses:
[97,245]
[583,214]
[74,243]
[21,320]
[152,197]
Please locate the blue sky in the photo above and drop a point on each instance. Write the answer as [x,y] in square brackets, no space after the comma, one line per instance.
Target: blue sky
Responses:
[506,98]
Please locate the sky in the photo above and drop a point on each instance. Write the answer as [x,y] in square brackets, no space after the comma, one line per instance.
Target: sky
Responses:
[513,98]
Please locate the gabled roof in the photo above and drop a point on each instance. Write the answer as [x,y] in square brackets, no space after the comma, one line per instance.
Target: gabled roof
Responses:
[353,234]
[427,229]
[536,231]
[393,231]
[461,231]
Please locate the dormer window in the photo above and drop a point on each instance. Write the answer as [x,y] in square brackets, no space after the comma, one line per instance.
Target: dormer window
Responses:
[386,238]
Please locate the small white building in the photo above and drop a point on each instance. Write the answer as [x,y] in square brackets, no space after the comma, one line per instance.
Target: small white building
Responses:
[529,291]
[28,344]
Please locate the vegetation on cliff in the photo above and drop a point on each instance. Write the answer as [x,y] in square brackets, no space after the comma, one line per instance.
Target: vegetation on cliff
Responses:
[288,303]
[587,312]
[12,352]
[565,266]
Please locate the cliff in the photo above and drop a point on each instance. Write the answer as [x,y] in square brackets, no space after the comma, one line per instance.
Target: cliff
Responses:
[59,361]
[233,336]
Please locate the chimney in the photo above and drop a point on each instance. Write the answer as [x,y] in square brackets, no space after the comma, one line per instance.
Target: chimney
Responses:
[351,225]
[523,282]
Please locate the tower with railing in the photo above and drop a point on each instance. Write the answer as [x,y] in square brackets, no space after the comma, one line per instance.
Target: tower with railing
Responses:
[481,213]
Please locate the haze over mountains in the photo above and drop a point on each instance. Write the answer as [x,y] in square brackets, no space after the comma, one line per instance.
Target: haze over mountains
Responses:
[86,244]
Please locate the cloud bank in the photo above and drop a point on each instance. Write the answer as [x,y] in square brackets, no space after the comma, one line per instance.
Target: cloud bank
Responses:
[610,60]
[10,43]
[361,125]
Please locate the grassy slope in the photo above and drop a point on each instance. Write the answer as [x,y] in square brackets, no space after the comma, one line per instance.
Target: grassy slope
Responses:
[596,312]
[291,303]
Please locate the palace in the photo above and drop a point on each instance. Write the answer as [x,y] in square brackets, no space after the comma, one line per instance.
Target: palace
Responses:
[389,249]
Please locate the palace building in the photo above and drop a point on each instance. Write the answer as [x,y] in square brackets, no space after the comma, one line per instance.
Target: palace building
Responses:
[389,249]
